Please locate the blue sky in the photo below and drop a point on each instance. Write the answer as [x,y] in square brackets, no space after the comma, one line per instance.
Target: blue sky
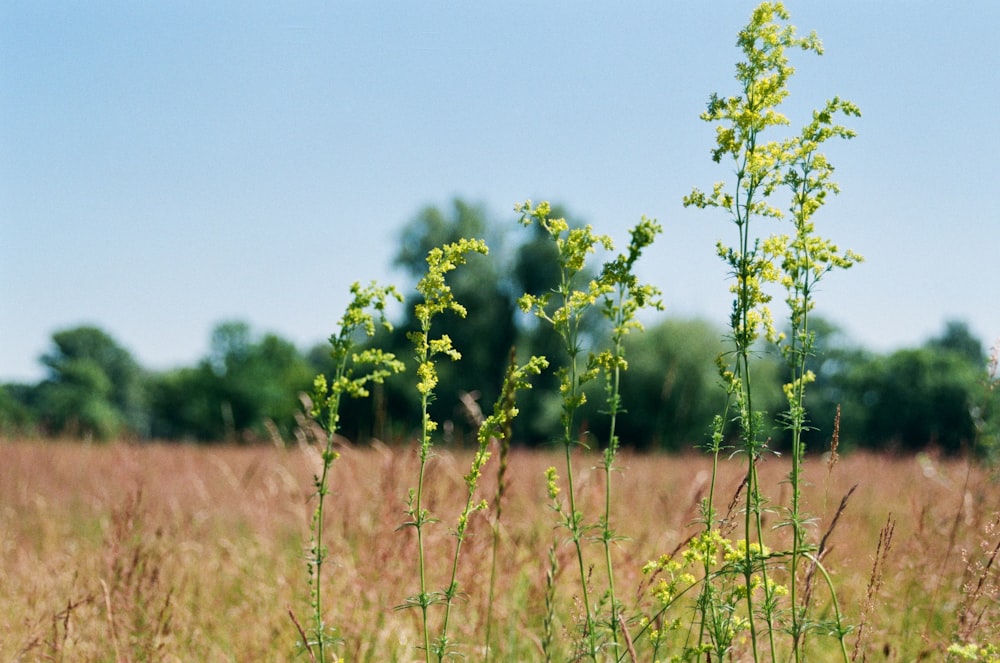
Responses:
[165,166]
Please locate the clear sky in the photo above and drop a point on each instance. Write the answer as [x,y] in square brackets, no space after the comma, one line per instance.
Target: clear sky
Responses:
[165,166]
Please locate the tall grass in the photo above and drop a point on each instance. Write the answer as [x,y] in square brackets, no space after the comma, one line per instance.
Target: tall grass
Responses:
[222,528]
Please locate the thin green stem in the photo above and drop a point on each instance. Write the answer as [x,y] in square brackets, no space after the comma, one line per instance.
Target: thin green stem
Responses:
[610,454]
[318,549]
[841,629]
[419,522]
[326,410]
[799,352]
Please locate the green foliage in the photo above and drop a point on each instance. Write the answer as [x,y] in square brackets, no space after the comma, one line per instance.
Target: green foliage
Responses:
[958,338]
[919,397]
[17,417]
[986,414]
[671,388]
[433,228]
[244,385]
[832,358]
[95,388]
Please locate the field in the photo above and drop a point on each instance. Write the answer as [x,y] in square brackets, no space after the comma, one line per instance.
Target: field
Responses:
[180,553]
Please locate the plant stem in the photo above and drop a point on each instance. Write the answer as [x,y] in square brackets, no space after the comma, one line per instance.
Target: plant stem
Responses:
[419,522]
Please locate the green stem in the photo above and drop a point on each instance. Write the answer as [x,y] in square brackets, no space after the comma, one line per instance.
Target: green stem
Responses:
[609,458]
[319,554]
[418,518]
[576,534]
[318,550]
[743,334]
[570,406]
[799,353]
[841,631]
[798,400]
[493,580]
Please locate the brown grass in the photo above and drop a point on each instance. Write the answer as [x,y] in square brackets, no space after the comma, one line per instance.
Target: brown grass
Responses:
[183,553]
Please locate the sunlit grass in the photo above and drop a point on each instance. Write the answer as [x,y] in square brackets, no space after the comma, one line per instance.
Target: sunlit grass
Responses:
[214,537]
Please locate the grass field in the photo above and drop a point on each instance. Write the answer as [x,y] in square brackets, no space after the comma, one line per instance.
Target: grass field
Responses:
[181,553]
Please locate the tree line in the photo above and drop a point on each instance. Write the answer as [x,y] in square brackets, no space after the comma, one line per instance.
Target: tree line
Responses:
[249,386]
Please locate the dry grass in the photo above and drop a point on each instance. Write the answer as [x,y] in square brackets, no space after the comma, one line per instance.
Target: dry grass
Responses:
[182,553]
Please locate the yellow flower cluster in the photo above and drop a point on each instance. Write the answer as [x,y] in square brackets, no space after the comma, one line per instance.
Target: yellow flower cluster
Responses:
[974,652]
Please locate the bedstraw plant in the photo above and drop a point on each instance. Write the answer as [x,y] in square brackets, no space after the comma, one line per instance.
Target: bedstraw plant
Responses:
[354,369]
[763,167]
[572,300]
[619,295]
[625,299]
[437,298]
[495,427]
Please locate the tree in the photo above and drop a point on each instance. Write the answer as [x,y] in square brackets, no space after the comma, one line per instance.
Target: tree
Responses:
[914,398]
[95,387]
[671,385]
[834,358]
[918,398]
[17,416]
[184,405]
[957,338]
[244,385]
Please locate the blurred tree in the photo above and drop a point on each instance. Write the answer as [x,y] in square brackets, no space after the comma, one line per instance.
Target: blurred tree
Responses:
[932,396]
[957,338]
[184,406]
[671,389]
[917,398]
[95,387]
[17,415]
[241,387]
[834,360]
[986,412]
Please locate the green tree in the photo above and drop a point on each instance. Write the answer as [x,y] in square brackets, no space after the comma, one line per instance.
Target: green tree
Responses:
[244,385]
[259,380]
[833,359]
[184,405]
[94,388]
[17,416]
[918,398]
[958,338]
[671,387]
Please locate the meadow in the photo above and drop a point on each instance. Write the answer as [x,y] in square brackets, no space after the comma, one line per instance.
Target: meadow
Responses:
[582,551]
[164,552]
